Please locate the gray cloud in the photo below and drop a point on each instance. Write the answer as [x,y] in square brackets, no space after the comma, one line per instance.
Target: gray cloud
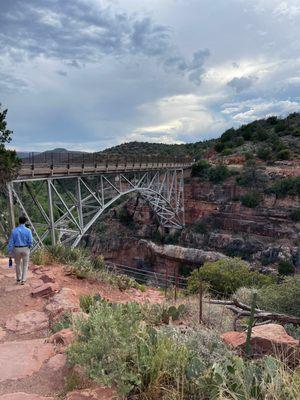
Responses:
[79,32]
[135,71]
[243,83]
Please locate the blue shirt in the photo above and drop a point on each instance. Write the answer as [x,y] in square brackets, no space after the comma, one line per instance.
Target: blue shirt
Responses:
[21,236]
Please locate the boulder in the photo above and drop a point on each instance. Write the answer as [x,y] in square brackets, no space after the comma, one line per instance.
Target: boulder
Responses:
[28,322]
[20,359]
[101,393]
[182,254]
[23,396]
[57,362]
[45,290]
[62,338]
[65,300]
[265,339]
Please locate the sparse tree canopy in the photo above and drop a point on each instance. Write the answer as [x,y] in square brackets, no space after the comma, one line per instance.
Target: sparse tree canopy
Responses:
[9,162]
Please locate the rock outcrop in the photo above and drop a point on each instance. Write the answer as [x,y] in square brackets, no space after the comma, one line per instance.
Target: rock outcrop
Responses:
[65,300]
[23,358]
[265,339]
[182,254]
[28,322]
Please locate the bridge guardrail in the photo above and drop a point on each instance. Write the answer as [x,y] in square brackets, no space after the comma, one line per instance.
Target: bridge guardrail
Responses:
[65,158]
[69,162]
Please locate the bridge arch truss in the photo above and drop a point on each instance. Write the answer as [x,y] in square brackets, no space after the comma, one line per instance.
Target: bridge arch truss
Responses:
[63,208]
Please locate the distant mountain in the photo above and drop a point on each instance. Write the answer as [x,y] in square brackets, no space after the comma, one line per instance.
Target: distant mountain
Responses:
[196,149]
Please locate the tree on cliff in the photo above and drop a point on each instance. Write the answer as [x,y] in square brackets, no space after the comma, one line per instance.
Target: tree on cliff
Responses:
[9,162]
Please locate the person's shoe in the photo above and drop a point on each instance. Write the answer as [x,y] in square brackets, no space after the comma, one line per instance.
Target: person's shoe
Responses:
[18,281]
[23,282]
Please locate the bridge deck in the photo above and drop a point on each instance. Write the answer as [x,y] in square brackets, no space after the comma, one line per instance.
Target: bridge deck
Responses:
[65,166]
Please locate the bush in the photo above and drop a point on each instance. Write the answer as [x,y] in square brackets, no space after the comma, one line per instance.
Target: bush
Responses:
[225,276]
[218,174]
[117,350]
[286,186]
[118,347]
[64,322]
[219,147]
[284,154]
[283,297]
[200,168]
[286,268]
[251,199]
[200,228]
[263,379]
[265,153]
[88,301]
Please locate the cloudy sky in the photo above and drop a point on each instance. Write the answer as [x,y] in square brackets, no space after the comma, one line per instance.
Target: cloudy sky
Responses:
[89,74]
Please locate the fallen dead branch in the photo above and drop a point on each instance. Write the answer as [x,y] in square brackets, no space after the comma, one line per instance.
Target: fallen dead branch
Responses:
[260,316]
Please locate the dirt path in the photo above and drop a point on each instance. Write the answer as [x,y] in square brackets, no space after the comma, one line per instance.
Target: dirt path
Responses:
[31,368]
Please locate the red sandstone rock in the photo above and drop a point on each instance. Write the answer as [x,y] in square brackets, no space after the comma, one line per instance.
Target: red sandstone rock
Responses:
[23,396]
[23,358]
[28,322]
[101,393]
[57,362]
[63,337]
[48,277]
[45,290]
[65,300]
[265,339]
[2,333]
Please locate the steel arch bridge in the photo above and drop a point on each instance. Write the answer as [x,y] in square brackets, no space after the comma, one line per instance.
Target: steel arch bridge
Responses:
[64,194]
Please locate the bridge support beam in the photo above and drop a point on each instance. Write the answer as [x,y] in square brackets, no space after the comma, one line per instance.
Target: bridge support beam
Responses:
[51,214]
[11,212]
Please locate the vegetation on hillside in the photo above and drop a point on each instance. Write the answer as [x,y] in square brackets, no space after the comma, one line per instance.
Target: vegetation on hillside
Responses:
[195,150]
[270,139]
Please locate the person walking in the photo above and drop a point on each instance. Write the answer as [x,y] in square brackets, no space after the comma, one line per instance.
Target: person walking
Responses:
[19,246]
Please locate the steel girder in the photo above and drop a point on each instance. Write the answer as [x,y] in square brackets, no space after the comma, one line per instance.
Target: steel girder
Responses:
[65,208]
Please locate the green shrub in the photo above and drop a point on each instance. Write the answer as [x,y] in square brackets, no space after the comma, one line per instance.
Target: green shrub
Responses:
[238,379]
[283,297]
[283,154]
[219,147]
[228,135]
[286,268]
[295,215]
[265,153]
[251,199]
[200,168]
[225,276]
[293,330]
[116,349]
[200,227]
[64,322]
[218,174]
[286,186]
[41,257]
[226,152]
[117,346]
[88,301]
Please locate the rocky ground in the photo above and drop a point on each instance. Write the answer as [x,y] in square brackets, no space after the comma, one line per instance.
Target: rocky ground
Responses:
[33,365]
